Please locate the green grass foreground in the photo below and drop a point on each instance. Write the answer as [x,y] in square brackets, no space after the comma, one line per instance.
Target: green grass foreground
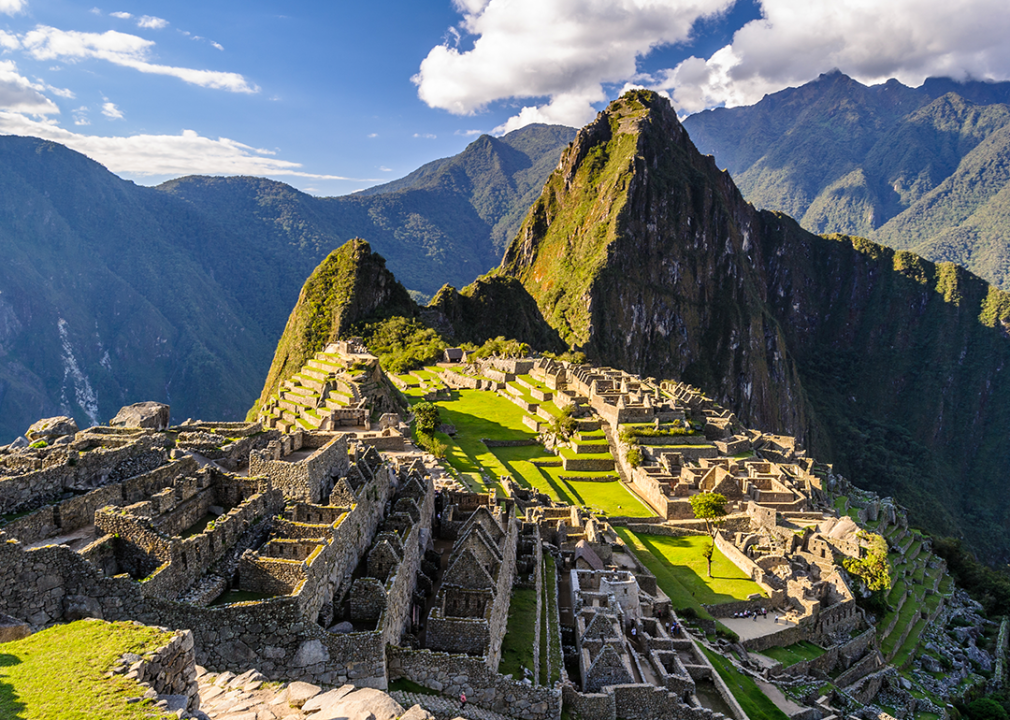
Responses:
[517,645]
[755,703]
[57,674]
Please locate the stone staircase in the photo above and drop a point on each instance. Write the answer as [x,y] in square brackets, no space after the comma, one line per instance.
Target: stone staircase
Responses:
[309,398]
[444,708]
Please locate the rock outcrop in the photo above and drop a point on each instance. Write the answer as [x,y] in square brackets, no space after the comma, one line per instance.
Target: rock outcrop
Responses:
[149,415]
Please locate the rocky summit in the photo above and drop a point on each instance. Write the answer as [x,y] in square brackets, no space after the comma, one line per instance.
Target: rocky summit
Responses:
[644,255]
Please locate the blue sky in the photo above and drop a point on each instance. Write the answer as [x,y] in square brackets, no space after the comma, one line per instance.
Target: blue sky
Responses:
[336,96]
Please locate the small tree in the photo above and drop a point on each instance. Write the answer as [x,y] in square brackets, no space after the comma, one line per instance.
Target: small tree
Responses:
[426,416]
[708,552]
[709,506]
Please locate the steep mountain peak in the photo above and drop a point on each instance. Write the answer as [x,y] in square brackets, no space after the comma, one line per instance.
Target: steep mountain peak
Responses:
[351,285]
[636,242]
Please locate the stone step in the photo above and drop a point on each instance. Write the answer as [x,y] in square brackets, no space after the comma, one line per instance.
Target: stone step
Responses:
[292,389]
[309,381]
[444,708]
[313,373]
[327,366]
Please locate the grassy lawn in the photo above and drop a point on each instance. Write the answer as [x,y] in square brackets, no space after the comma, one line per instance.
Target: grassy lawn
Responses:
[666,578]
[517,645]
[553,642]
[685,555]
[57,674]
[755,703]
[792,654]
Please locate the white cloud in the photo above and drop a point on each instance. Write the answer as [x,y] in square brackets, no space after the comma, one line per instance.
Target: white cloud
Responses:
[143,155]
[151,22]
[9,41]
[110,111]
[19,94]
[81,116]
[871,41]
[425,136]
[60,92]
[383,168]
[12,7]
[49,43]
[468,133]
[95,11]
[373,135]
[121,15]
[216,45]
[563,50]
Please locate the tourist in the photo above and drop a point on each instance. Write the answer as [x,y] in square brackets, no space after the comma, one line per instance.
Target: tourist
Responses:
[462,700]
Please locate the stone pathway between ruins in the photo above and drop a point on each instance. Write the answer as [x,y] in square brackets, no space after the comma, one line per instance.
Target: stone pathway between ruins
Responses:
[444,708]
[249,696]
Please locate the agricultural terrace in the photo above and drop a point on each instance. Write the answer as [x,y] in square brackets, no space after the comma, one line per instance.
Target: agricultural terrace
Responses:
[478,415]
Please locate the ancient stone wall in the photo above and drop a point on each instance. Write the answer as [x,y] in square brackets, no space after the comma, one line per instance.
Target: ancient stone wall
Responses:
[68,469]
[274,636]
[308,480]
[453,674]
[170,670]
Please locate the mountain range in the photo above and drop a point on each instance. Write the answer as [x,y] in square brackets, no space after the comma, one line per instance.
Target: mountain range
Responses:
[114,292]
[644,255]
[922,169]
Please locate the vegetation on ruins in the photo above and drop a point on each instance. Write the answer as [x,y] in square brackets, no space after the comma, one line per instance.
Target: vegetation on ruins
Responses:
[634,456]
[403,344]
[873,568]
[563,424]
[498,346]
[60,672]
[629,432]
[426,416]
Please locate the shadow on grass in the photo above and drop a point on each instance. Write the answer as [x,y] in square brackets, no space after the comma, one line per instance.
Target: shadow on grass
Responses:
[10,707]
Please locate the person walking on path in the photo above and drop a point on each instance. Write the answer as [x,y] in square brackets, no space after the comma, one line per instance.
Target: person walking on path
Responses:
[462,701]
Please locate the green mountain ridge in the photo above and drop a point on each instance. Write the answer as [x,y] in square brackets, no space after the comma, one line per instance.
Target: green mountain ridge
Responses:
[913,168]
[115,293]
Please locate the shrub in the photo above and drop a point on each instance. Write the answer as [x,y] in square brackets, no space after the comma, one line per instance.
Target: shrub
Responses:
[39,444]
[426,417]
[634,456]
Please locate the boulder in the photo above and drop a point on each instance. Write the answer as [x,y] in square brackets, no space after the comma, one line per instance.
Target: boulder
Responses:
[12,629]
[51,428]
[78,607]
[19,443]
[342,627]
[361,704]
[300,693]
[416,712]
[149,415]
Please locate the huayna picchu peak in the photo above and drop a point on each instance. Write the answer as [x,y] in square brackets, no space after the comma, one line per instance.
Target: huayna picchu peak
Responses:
[644,255]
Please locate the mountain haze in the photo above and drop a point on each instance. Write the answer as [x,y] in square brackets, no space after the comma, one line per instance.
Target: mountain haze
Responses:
[920,169]
[114,293]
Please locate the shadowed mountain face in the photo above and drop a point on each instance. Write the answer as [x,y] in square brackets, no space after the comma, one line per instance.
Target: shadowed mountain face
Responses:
[644,254]
[921,169]
[112,293]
